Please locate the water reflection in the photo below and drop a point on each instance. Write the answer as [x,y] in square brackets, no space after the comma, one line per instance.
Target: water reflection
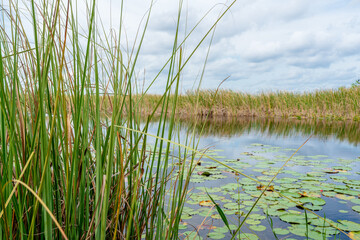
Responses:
[343,131]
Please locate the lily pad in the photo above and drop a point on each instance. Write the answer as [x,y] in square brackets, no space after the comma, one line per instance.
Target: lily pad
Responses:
[221,229]
[344,197]
[257,228]
[248,236]
[252,221]
[349,226]
[294,218]
[232,206]
[312,200]
[280,231]
[192,235]
[356,208]
[216,235]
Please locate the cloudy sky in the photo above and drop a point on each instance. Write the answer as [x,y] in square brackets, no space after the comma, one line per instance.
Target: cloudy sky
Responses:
[261,45]
[295,45]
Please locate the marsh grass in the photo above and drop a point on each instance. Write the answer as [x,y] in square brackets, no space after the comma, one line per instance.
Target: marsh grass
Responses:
[337,104]
[68,171]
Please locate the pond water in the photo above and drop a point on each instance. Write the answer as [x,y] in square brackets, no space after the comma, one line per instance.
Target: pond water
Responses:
[323,176]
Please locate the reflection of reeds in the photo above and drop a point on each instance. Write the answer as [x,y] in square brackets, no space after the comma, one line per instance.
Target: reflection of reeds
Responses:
[342,130]
[339,104]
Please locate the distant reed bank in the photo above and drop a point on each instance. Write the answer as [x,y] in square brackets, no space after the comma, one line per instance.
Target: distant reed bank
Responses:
[336,104]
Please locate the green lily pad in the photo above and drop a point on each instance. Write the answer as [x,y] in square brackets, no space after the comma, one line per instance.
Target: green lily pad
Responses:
[344,197]
[185,216]
[248,236]
[280,231]
[344,168]
[301,230]
[257,228]
[328,194]
[323,223]
[275,212]
[191,235]
[216,235]
[313,200]
[182,226]
[353,182]
[257,216]
[316,174]
[221,229]
[293,218]
[252,221]
[232,206]
[356,208]
[291,194]
[349,226]
[312,207]
[327,230]
[291,185]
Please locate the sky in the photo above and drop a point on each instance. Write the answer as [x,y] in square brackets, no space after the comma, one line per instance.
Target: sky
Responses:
[258,46]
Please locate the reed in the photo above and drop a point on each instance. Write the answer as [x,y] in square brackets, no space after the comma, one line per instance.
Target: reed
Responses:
[336,104]
[68,170]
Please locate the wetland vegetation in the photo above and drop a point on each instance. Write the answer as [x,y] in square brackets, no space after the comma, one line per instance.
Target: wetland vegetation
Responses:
[337,104]
[70,170]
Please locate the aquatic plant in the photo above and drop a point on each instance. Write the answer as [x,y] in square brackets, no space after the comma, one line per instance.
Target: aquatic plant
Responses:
[333,104]
[67,169]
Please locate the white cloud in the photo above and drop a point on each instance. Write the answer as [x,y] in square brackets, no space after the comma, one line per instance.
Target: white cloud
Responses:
[261,44]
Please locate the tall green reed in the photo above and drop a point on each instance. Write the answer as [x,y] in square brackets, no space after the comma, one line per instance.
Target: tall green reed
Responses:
[68,170]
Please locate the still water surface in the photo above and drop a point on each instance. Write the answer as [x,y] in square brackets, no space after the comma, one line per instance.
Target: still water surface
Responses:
[324,175]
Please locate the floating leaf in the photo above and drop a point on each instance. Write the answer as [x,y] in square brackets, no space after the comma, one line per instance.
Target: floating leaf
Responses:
[356,208]
[252,221]
[192,235]
[344,197]
[221,229]
[280,231]
[342,168]
[349,226]
[330,171]
[216,235]
[313,201]
[354,235]
[294,218]
[355,200]
[185,216]
[183,226]
[257,228]
[257,216]
[232,206]
[303,231]
[328,194]
[315,174]
[248,236]
[327,230]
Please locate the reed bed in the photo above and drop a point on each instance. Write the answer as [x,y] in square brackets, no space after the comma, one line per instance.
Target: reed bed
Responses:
[67,170]
[336,104]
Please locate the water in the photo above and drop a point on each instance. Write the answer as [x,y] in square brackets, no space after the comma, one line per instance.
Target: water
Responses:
[259,148]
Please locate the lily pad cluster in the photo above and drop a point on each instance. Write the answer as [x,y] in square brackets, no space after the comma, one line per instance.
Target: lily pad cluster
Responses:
[306,184]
